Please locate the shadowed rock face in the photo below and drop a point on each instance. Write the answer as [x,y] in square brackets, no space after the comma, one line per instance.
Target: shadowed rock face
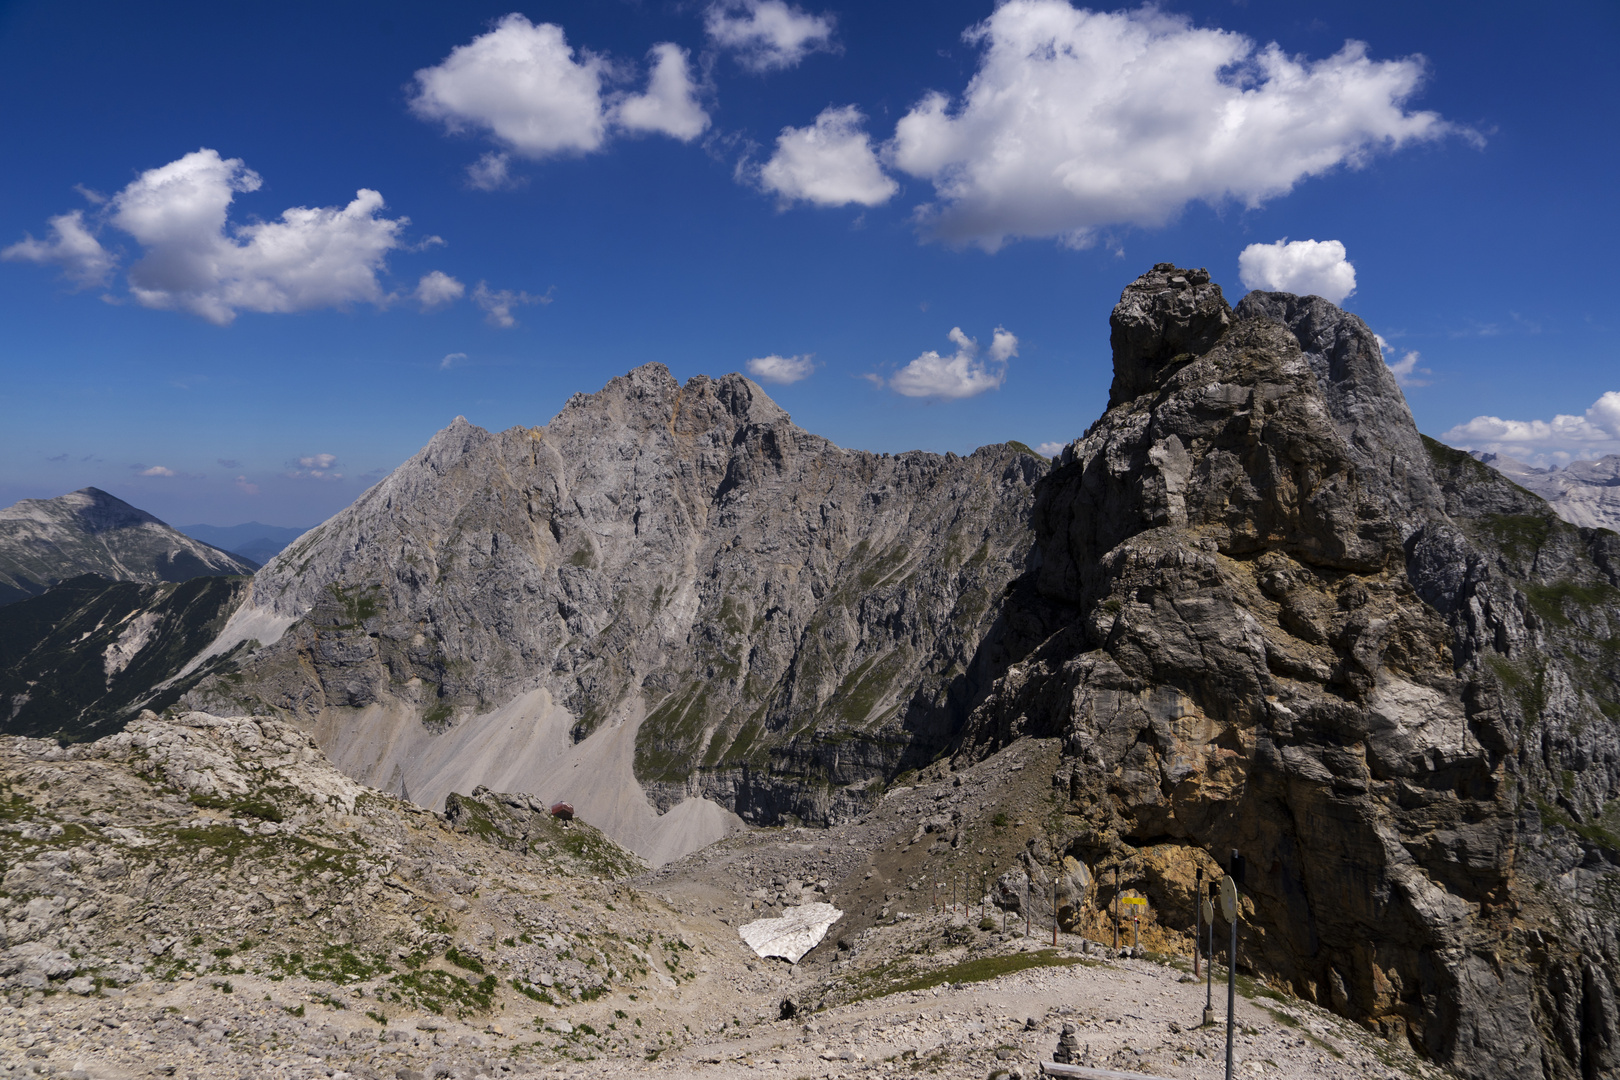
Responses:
[1267,617]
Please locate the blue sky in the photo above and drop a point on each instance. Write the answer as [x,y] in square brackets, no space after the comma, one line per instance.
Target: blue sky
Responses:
[827,191]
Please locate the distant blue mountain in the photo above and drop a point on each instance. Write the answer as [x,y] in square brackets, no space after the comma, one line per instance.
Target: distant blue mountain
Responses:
[253,540]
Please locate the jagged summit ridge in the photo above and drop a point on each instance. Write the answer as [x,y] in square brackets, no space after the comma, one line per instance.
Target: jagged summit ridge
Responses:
[1268,616]
[763,618]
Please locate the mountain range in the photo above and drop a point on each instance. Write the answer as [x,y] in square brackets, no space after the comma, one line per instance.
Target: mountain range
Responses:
[1582,492]
[253,540]
[1253,610]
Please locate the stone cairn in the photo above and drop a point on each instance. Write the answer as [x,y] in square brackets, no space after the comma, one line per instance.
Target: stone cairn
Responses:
[1068,1047]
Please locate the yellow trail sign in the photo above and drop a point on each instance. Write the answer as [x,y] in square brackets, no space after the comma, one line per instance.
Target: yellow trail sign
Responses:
[1135,900]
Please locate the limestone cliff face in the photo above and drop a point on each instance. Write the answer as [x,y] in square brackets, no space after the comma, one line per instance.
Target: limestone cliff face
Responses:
[1260,610]
[1266,615]
[786,620]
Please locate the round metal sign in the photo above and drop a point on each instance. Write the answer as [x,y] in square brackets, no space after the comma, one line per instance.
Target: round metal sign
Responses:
[1209,912]
[1229,899]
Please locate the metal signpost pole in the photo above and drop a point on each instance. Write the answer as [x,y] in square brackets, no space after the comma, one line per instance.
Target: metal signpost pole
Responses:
[1229,906]
[1198,922]
[1207,910]
[1054,911]
[1116,907]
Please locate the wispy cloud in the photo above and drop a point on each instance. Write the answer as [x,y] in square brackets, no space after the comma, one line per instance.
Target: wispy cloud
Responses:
[314,467]
[497,305]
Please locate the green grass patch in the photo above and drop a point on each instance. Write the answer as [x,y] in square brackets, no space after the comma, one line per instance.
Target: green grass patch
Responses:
[893,979]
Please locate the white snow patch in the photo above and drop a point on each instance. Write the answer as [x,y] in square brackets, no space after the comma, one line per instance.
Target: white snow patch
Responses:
[794,933]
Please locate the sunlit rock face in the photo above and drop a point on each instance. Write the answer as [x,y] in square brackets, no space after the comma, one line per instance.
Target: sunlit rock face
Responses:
[671,582]
[1274,619]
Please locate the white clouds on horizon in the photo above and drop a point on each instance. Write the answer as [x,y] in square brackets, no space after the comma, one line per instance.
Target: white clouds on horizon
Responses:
[1560,440]
[781,370]
[963,374]
[314,467]
[830,163]
[1303,267]
[1050,449]
[768,35]
[523,85]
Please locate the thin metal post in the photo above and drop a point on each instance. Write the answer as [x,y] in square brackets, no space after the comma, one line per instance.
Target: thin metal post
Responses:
[1231,996]
[1198,919]
[1209,973]
[1054,911]
[1116,905]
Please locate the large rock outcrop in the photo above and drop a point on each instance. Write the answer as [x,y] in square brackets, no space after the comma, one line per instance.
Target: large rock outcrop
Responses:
[1272,619]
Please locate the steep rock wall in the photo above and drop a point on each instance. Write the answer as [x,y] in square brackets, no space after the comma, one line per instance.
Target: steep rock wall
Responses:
[1268,617]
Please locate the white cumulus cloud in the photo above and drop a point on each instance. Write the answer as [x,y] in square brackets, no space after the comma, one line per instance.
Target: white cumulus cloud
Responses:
[670,106]
[1304,267]
[768,34]
[522,83]
[155,470]
[497,304]
[781,369]
[1542,442]
[1050,449]
[830,163]
[195,260]
[1079,119]
[72,247]
[525,86]
[963,374]
[438,288]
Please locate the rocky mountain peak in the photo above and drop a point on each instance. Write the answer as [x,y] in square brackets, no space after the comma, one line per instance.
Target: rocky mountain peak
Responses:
[94,511]
[45,541]
[1165,313]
